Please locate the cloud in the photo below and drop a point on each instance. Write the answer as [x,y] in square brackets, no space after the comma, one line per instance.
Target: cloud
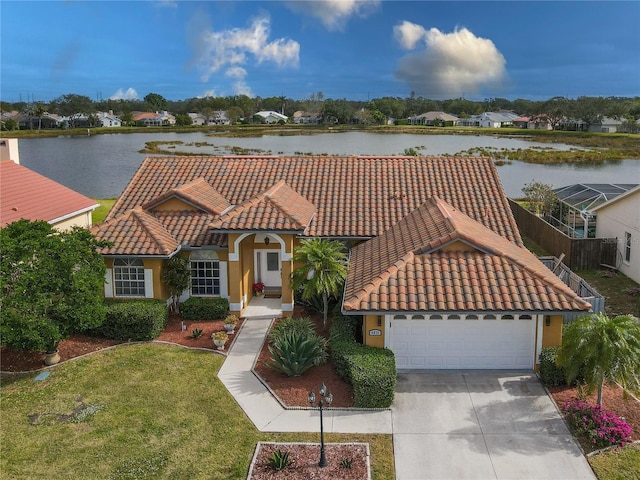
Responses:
[408,34]
[129,94]
[452,64]
[334,14]
[229,49]
[208,94]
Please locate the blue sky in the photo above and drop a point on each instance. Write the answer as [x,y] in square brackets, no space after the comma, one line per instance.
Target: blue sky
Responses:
[343,48]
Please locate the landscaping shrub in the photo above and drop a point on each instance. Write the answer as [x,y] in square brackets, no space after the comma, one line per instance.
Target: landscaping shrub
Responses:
[551,374]
[370,371]
[602,427]
[289,324]
[204,308]
[134,320]
[296,352]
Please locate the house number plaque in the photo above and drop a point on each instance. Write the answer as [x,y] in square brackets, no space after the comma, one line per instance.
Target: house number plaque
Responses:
[375,333]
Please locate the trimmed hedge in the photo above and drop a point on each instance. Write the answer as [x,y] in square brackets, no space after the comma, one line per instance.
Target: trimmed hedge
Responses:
[551,374]
[204,308]
[134,320]
[371,371]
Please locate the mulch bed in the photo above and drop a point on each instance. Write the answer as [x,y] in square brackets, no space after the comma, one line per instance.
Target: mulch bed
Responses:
[612,400]
[304,462]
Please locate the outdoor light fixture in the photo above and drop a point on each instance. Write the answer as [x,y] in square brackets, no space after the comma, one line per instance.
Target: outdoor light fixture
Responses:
[266,240]
[325,398]
[547,320]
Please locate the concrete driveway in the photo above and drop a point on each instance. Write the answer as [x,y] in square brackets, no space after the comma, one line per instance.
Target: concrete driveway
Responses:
[480,426]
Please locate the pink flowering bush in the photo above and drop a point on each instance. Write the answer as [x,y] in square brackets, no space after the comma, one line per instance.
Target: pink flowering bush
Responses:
[602,427]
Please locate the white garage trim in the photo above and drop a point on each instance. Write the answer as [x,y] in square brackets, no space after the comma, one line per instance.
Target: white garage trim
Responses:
[458,341]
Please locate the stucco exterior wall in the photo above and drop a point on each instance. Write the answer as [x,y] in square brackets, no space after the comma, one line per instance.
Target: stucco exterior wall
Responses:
[616,219]
[83,220]
[552,334]
[371,327]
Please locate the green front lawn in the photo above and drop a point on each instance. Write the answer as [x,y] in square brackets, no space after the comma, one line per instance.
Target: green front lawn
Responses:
[618,464]
[151,411]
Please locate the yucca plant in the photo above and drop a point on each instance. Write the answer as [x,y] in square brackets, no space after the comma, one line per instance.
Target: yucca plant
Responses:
[278,460]
[291,324]
[295,353]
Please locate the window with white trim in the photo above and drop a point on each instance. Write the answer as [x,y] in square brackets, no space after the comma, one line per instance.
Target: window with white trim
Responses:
[627,247]
[205,277]
[128,277]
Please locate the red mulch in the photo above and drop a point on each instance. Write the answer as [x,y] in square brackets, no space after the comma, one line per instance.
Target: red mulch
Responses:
[612,400]
[294,391]
[304,460]
[77,345]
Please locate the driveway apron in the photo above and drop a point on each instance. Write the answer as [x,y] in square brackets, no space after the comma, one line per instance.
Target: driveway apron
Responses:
[481,426]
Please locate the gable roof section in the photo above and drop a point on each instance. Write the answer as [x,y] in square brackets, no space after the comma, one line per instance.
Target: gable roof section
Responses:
[279,208]
[198,193]
[622,197]
[27,194]
[410,268]
[136,232]
[355,196]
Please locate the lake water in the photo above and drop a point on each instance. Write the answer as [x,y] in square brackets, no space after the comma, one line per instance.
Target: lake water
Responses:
[100,166]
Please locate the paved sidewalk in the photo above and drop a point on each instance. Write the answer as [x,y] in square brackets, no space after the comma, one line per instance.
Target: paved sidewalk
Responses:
[266,413]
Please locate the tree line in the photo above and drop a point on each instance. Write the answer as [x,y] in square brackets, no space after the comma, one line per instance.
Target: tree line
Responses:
[554,110]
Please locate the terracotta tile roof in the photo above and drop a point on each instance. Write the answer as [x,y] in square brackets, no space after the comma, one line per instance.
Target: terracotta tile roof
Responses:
[197,193]
[136,232]
[191,228]
[418,266]
[27,194]
[357,196]
[279,208]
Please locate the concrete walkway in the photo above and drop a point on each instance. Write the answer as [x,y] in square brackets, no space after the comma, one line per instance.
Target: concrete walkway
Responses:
[266,413]
[445,425]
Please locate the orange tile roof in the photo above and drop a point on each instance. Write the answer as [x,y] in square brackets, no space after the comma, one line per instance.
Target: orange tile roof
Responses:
[198,193]
[356,196]
[279,208]
[27,194]
[418,266]
[136,232]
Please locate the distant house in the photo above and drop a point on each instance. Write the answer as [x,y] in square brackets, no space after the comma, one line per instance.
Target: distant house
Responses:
[153,119]
[46,121]
[606,125]
[269,116]
[490,120]
[306,118]
[434,119]
[27,194]
[620,218]
[220,117]
[531,123]
[109,119]
[197,119]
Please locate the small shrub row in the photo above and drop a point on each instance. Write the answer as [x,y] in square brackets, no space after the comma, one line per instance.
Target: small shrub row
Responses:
[204,308]
[295,347]
[602,427]
[551,374]
[370,371]
[137,320]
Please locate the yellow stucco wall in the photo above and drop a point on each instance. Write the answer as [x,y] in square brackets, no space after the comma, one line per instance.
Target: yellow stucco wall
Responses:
[552,335]
[159,289]
[458,246]
[371,323]
[81,220]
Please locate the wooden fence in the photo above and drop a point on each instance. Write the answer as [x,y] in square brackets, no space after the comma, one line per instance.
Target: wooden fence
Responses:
[579,253]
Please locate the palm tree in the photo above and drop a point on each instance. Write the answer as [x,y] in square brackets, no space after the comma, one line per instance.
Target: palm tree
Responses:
[321,272]
[602,348]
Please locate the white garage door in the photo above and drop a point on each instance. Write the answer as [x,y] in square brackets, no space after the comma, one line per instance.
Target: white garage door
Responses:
[459,342]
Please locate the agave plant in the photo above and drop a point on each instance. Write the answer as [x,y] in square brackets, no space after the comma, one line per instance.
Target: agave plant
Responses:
[295,353]
[298,324]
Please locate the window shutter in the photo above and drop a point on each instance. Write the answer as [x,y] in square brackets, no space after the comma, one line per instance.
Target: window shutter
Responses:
[108,283]
[148,283]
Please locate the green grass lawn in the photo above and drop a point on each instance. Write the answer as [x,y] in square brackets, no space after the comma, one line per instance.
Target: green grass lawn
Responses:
[622,464]
[615,289]
[151,411]
[101,212]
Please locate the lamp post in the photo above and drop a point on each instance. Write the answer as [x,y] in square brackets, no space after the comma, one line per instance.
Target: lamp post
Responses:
[325,398]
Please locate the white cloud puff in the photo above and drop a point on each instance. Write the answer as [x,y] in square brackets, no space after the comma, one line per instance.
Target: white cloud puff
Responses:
[334,14]
[452,64]
[208,94]
[228,49]
[408,34]
[128,94]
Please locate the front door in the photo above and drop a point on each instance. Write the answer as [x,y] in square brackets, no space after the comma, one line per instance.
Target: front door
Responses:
[267,268]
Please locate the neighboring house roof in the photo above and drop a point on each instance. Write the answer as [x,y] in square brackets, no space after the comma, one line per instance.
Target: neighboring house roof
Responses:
[633,191]
[27,194]
[280,208]
[437,116]
[438,259]
[590,196]
[354,197]
[136,233]
[271,113]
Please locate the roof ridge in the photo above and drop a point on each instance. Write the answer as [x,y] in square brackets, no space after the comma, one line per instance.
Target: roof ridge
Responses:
[144,219]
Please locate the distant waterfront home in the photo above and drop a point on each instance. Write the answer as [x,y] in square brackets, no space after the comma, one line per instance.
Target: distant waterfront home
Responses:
[153,119]
[109,120]
[438,272]
[272,117]
[434,119]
